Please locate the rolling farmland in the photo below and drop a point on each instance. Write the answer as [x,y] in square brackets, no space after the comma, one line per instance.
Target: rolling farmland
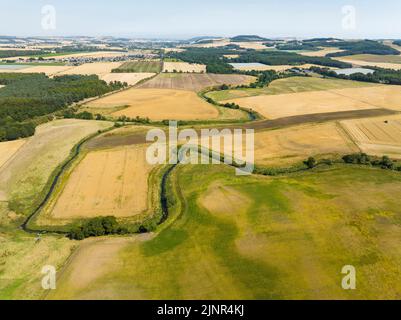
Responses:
[195,82]
[262,237]
[288,85]
[158,104]
[293,104]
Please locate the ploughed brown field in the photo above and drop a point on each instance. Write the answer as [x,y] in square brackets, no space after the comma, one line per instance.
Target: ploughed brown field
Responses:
[195,82]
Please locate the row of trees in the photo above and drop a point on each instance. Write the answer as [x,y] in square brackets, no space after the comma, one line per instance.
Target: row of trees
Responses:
[352,47]
[28,96]
[380,75]
[287,58]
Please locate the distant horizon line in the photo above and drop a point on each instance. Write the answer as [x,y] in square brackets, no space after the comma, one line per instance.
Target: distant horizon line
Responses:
[182,38]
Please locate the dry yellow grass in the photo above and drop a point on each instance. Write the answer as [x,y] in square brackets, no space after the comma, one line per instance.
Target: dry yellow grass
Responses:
[223,200]
[108,182]
[98,68]
[183,67]
[289,145]
[130,78]
[377,136]
[8,149]
[380,96]
[48,70]
[360,62]
[293,104]
[159,104]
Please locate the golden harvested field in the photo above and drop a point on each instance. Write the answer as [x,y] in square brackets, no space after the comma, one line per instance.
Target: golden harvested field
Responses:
[98,68]
[107,182]
[321,53]
[8,149]
[184,67]
[376,136]
[293,104]
[158,104]
[48,70]
[195,82]
[294,144]
[130,78]
[388,62]
[289,145]
[380,96]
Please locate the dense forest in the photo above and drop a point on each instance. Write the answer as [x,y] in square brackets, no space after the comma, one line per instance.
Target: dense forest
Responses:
[296,45]
[353,47]
[247,38]
[28,96]
[397,42]
[386,76]
[20,53]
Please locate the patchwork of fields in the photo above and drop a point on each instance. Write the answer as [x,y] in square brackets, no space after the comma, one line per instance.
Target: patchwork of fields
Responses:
[288,85]
[258,238]
[158,104]
[226,236]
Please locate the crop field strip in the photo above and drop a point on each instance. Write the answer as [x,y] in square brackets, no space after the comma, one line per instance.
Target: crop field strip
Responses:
[140,66]
[194,82]
[381,136]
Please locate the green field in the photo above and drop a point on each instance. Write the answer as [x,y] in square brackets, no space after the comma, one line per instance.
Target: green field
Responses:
[288,85]
[140,66]
[260,238]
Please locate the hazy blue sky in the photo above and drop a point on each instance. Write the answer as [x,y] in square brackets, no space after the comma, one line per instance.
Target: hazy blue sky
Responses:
[187,18]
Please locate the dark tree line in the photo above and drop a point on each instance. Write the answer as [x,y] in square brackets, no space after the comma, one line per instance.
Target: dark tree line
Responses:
[215,61]
[352,47]
[287,58]
[27,96]
[385,76]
